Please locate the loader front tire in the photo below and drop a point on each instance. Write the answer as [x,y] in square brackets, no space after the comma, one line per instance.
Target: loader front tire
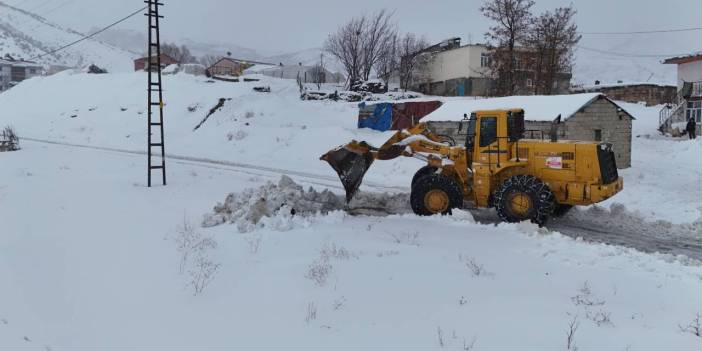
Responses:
[524,197]
[435,194]
[423,172]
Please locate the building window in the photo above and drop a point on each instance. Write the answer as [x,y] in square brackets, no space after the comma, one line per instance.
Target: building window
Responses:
[598,134]
[485,60]
[694,110]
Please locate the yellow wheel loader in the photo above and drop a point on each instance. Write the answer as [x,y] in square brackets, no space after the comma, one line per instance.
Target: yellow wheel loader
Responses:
[524,179]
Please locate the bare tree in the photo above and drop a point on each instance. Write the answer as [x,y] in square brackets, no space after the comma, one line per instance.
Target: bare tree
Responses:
[389,61]
[347,46]
[209,60]
[360,43]
[552,40]
[511,25]
[413,62]
[377,36]
[179,53]
[319,72]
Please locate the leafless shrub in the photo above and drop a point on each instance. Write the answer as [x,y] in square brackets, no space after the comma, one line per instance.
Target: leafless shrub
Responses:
[387,253]
[573,326]
[9,140]
[694,327]
[462,301]
[202,273]
[254,243]
[193,248]
[319,271]
[586,297]
[469,346]
[600,318]
[338,252]
[338,304]
[410,238]
[440,336]
[249,114]
[311,312]
[474,267]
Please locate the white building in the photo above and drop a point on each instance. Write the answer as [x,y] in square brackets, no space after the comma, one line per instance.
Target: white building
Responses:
[455,70]
[15,71]
[688,103]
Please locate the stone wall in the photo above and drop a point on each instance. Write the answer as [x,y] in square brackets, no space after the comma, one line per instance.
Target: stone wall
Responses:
[614,124]
[651,94]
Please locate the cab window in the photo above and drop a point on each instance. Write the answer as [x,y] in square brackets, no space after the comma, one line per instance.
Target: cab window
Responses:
[488,131]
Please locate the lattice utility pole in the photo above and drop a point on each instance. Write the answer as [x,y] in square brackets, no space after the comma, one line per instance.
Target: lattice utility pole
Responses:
[155,92]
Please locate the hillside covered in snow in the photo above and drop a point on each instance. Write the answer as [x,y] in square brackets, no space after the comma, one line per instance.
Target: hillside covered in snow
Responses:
[90,259]
[24,35]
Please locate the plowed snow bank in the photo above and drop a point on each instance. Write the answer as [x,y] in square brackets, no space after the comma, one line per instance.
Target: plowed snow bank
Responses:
[278,206]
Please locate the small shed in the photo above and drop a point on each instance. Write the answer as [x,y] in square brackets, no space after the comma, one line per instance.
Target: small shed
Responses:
[141,64]
[587,117]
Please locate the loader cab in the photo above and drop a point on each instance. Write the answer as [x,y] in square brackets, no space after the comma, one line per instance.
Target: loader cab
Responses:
[491,135]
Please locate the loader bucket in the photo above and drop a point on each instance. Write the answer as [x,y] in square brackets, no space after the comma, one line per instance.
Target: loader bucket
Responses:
[351,166]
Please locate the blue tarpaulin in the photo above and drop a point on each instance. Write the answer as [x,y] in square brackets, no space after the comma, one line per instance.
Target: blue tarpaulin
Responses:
[377,116]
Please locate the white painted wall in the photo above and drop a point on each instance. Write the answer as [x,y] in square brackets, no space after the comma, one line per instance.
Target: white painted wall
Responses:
[463,62]
[689,72]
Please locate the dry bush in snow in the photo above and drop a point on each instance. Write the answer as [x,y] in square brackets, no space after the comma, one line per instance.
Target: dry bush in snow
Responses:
[338,304]
[193,248]
[319,271]
[254,243]
[409,238]
[600,318]
[9,140]
[440,337]
[694,327]
[573,326]
[311,312]
[474,267]
[586,298]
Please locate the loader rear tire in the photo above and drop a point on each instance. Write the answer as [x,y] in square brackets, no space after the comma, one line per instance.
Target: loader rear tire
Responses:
[524,197]
[435,194]
[422,172]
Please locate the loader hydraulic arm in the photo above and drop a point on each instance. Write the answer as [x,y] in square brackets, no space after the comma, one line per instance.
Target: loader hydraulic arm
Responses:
[352,160]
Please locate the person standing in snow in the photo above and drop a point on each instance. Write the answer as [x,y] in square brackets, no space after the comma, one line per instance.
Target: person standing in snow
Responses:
[692,128]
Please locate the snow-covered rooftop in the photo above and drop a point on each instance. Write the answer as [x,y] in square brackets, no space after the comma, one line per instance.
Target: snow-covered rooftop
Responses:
[536,108]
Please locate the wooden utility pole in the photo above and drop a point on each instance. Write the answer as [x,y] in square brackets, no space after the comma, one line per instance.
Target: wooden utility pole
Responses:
[155,123]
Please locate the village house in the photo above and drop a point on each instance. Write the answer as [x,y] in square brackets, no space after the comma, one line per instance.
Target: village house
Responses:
[233,67]
[308,74]
[586,117]
[456,70]
[14,71]
[688,100]
[650,93]
[142,63]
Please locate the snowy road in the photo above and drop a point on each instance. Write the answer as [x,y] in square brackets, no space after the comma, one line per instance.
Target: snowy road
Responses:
[652,237]
[620,228]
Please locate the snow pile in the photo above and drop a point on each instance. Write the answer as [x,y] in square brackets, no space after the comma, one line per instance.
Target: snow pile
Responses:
[279,206]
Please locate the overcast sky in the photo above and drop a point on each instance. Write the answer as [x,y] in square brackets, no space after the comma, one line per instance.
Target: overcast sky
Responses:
[289,25]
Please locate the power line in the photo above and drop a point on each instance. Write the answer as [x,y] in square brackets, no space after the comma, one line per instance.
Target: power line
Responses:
[631,55]
[91,35]
[645,31]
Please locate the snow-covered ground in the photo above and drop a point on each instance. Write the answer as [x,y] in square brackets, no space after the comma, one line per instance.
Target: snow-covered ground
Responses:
[92,260]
